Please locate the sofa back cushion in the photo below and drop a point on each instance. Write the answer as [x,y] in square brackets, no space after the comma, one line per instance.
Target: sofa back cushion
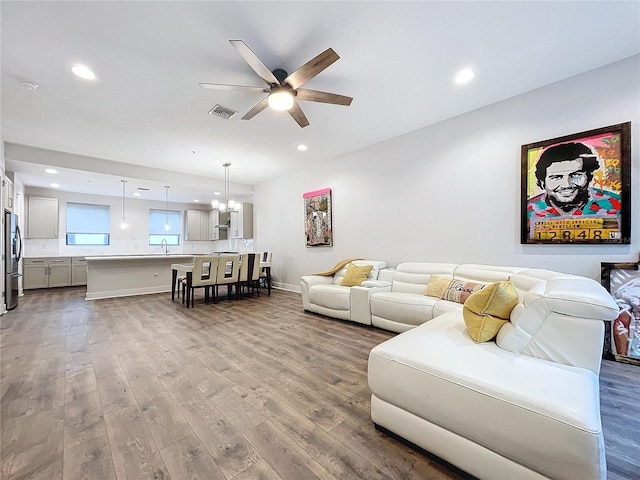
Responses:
[559,318]
[470,272]
[413,277]
[338,277]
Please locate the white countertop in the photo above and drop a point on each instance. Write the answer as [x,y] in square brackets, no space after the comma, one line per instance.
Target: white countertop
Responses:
[149,256]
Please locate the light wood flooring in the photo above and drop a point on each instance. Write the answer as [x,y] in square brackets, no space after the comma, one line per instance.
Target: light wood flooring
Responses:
[142,388]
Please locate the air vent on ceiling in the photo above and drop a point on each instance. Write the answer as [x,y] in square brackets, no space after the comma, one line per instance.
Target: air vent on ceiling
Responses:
[143,189]
[222,112]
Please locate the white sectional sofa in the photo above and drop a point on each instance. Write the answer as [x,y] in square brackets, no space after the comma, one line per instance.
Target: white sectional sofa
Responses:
[525,406]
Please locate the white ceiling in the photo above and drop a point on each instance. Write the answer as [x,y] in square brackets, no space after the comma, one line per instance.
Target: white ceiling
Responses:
[397,61]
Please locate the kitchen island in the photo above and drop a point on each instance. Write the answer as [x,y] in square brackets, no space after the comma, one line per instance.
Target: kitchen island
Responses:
[127,275]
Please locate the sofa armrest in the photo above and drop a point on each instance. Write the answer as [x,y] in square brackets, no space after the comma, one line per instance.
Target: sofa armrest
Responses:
[360,309]
[308,281]
[311,280]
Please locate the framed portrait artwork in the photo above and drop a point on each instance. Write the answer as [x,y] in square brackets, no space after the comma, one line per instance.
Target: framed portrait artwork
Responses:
[317,218]
[622,336]
[577,188]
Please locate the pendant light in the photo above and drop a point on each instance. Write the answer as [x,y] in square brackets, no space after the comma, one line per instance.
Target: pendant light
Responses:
[228,204]
[167,227]
[123,225]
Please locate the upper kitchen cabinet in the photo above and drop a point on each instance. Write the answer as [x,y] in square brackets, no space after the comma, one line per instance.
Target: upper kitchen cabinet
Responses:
[42,217]
[241,222]
[215,220]
[8,194]
[196,225]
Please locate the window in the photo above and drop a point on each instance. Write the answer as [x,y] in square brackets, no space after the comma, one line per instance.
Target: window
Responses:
[88,224]
[164,225]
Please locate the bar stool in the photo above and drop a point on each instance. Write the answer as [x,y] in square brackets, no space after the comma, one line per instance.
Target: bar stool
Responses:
[265,270]
[228,272]
[205,268]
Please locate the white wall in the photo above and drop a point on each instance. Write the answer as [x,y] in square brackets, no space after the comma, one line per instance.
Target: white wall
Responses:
[131,241]
[450,192]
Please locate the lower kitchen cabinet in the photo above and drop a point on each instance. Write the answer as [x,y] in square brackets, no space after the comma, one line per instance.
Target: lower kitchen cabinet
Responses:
[45,272]
[78,271]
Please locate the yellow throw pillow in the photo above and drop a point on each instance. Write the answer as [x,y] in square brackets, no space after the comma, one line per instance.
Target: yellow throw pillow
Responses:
[356,275]
[437,286]
[487,310]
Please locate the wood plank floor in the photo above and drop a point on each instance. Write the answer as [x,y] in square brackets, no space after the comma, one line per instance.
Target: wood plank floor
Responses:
[142,388]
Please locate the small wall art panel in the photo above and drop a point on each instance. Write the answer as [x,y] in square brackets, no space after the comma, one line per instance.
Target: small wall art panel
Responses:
[317,218]
[577,188]
[622,337]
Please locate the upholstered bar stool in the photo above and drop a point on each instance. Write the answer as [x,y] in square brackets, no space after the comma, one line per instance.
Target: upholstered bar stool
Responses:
[203,276]
[228,273]
[265,270]
[247,271]
[254,282]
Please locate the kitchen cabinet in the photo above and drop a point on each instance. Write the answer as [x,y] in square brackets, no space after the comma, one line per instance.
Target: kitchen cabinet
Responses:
[8,194]
[42,217]
[45,272]
[241,222]
[78,271]
[216,233]
[196,225]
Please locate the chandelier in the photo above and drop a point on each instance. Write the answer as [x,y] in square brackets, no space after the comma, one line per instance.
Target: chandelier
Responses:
[228,204]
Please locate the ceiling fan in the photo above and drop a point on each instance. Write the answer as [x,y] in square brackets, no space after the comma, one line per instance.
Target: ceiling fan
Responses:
[284,89]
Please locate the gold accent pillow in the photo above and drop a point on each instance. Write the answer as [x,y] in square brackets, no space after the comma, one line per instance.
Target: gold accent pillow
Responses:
[356,275]
[437,286]
[487,310]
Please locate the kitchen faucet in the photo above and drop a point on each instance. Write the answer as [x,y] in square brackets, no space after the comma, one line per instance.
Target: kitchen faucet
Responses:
[165,244]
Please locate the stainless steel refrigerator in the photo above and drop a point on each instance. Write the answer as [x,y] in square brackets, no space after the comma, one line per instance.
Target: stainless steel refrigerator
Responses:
[12,256]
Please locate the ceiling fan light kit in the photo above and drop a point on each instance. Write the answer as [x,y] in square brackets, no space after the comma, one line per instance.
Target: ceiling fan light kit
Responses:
[283,89]
[280,100]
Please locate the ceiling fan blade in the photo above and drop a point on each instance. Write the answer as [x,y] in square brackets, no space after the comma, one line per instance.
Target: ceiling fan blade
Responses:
[260,106]
[254,62]
[222,86]
[298,115]
[312,68]
[323,97]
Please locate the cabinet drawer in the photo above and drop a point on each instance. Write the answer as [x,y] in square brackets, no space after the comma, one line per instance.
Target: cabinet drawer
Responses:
[35,261]
[59,261]
[78,261]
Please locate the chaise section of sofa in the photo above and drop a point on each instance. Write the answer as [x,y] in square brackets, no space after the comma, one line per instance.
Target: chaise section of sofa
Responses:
[525,406]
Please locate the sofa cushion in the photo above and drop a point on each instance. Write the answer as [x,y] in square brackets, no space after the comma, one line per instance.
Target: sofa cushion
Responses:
[334,297]
[459,290]
[437,286]
[356,275]
[406,308]
[487,310]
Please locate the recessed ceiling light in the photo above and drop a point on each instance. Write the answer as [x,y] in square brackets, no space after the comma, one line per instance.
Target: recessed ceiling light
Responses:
[83,71]
[302,148]
[136,194]
[197,201]
[54,185]
[216,193]
[464,76]
[51,170]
